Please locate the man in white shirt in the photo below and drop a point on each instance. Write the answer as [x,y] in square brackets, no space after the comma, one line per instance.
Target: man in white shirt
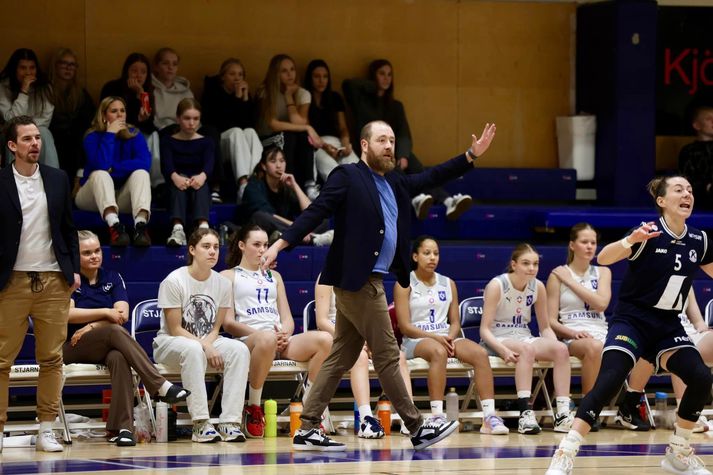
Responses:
[39,269]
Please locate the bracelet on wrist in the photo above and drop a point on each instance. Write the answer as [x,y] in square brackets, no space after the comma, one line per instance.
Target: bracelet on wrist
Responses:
[470,154]
[625,243]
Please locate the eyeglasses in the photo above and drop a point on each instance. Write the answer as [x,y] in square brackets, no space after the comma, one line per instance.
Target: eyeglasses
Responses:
[36,284]
[67,64]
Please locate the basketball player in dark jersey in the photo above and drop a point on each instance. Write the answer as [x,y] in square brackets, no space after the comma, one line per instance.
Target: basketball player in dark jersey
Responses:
[663,257]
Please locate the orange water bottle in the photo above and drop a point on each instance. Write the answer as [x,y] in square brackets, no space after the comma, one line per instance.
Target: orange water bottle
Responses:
[383,412]
[295,414]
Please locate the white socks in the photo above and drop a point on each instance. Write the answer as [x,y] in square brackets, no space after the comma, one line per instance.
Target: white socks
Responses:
[254,396]
[572,441]
[163,390]
[46,426]
[562,404]
[364,411]
[111,219]
[488,407]
[437,408]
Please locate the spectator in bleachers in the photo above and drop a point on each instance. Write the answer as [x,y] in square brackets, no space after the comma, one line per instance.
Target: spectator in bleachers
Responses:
[98,310]
[116,175]
[260,316]
[695,161]
[73,111]
[187,163]
[26,91]
[169,90]
[326,115]
[194,300]
[39,268]
[663,257]
[373,99]
[283,119]
[700,334]
[508,302]
[274,198]
[578,293]
[429,320]
[134,82]
[325,309]
[229,108]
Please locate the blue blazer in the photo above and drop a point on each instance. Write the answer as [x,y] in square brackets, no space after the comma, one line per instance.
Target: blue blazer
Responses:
[351,198]
[59,208]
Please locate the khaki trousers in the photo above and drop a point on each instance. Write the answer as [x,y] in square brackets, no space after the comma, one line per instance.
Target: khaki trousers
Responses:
[48,303]
[362,315]
[98,193]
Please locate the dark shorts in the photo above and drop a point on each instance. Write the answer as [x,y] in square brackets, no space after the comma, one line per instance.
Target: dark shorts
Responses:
[647,341]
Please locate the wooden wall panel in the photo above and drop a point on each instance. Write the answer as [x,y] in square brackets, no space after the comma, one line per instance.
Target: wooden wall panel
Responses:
[457,64]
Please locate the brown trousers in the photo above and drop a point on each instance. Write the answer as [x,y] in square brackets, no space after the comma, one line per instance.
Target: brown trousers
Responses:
[48,303]
[113,346]
[362,315]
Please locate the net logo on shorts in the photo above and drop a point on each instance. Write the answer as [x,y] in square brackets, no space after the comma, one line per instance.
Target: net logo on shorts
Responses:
[626,339]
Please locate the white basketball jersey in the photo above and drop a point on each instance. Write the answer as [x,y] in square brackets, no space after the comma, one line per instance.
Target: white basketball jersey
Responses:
[429,305]
[574,312]
[255,297]
[514,310]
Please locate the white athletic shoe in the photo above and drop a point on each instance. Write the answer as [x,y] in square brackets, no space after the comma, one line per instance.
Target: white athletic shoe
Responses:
[46,442]
[230,432]
[421,204]
[370,428]
[683,462]
[701,425]
[494,425]
[527,424]
[323,239]
[456,205]
[563,422]
[203,431]
[562,463]
[177,238]
[433,430]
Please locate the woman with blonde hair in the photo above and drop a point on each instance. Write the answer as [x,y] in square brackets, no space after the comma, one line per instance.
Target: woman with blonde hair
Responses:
[73,110]
[116,175]
[283,118]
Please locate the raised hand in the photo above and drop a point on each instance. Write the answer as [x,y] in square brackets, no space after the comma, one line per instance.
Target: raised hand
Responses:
[480,145]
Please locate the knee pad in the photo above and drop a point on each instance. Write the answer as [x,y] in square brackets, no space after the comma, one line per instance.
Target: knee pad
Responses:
[687,364]
[616,365]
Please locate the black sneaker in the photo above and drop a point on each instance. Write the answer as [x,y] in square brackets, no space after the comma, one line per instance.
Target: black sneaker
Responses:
[434,429]
[118,237]
[314,439]
[124,438]
[630,418]
[141,235]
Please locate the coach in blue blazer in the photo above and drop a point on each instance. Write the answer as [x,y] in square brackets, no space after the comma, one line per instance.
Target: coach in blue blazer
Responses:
[39,269]
[371,207]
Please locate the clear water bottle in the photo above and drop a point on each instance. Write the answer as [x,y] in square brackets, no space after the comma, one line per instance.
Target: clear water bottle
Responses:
[452,405]
[161,422]
[661,417]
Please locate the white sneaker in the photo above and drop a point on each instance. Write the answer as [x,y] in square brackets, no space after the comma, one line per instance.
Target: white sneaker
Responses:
[683,462]
[203,431]
[456,205]
[324,239]
[47,442]
[177,238]
[527,424]
[434,429]
[701,425]
[494,425]
[562,463]
[230,432]
[421,204]
[370,428]
[311,190]
[563,422]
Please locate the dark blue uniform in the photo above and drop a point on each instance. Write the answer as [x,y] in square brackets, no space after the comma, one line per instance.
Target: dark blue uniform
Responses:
[110,288]
[654,292]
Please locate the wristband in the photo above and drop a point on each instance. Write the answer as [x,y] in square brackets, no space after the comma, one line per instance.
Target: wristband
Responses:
[625,243]
[470,154]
